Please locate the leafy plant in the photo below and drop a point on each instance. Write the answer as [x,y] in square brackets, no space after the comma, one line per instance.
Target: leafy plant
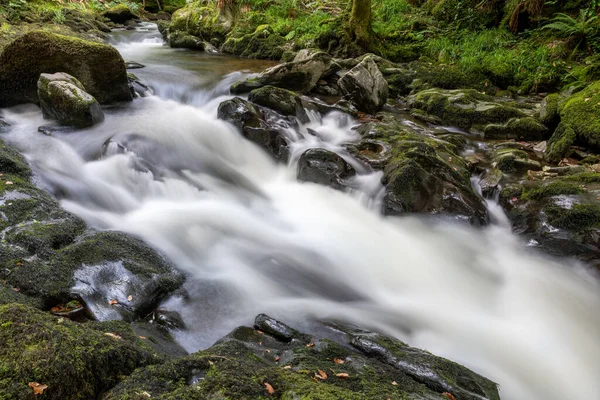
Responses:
[579,30]
[58,17]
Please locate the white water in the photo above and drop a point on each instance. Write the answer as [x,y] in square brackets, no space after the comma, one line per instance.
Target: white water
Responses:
[255,240]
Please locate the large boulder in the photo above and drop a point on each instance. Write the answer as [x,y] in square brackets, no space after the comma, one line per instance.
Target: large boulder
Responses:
[581,112]
[249,119]
[97,66]
[283,101]
[275,360]
[63,98]
[203,21]
[64,359]
[423,174]
[365,86]
[300,76]
[263,43]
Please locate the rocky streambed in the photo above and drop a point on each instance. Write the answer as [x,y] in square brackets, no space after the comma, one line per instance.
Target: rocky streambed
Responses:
[113,226]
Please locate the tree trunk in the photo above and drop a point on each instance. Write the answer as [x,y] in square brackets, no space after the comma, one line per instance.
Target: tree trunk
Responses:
[360,23]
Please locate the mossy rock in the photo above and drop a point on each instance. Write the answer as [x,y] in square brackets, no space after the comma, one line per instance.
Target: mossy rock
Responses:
[514,160]
[285,102]
[549,110]
[75,361]
[465,108]
[560,143]
[202,21]
[581,113]
[98,67]
[470,13]
[119,14]
[262,44]
[426,175]
[248,364]
[527,128]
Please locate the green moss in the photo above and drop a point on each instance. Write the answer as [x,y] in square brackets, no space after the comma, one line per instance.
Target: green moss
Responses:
[76,362]
[583,177]
[581,113]
[560,143]
[578,218]
[549,111]
[552,189]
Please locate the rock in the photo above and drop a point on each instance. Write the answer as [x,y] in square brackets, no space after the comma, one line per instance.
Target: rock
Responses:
[374,152]
[513,160]
[549,110]
[179,40]
[201,20]
[490,182]
[119,14]
[425,175]
[324,167]
[98,67]
[138,88]
[263,43]
[271,326]
[517,128]
[250,121]
[63,98]
[229,369]
[283,101]
[365,86]
[301,76]
[559,214]
[580,113]
[74,361]
[466,108]
[560,143]
[133,65]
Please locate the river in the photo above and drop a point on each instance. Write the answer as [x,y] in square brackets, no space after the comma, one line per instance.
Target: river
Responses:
[254,239]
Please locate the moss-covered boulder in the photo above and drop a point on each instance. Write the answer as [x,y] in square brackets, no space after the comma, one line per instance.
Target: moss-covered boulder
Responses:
[424,174]
[526,128]
[581,113]
[558,210]
[358,365]
[201,20]
[559,145]
[299,76]
[550,111]
[365,86]
[98,67]
[509,158]
[72,361]
[466,108]
[181,40]
[63,98]
[250,120]
[119,14]
[263,43]
[285,102]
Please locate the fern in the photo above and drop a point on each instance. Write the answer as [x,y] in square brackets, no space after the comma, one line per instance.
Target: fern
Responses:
[579,30]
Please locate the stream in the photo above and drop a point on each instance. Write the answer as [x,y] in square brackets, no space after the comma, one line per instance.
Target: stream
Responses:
[253,239]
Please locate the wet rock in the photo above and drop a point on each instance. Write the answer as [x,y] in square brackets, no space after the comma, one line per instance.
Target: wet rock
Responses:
[263,43]
[512,160]
[376,153]
[369,363]
[119,14]
[179,40]
[277,329]
[250,121]
[580,113]
[283,101]
[138,88]
[365,86]
[466,108]
[166,320]
[425,175]
[118,277]
[63,98]
[98,67]
[549,110]
[299,76]
[75,361]
[133,65]
[490,182]
[517,128]
[324,167]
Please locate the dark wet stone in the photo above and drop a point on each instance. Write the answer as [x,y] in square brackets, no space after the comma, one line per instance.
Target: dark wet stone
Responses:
[275,328]
[133,65]
[324,167]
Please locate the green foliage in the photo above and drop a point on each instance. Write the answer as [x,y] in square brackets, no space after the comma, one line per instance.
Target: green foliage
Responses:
[579,30]
[58,17]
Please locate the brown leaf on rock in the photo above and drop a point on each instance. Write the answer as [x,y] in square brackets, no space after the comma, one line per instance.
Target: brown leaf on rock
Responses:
[38,388]
[277,359]
[449,395]
[269,388]
[287,367]
[343,375]
[321,375]
[112,335]
[395,383]
[113,302]
[312,343]
[338,361]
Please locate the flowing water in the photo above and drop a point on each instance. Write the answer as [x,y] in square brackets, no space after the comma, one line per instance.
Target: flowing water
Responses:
[253,239]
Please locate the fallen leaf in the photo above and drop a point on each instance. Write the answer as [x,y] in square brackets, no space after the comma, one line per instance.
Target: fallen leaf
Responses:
[342,375]
[338,361]
[112,335]
[395,383]
[287,367]
[129,298]
[311,344]
[38,388]
[113,302]
[8,182]
[321,375]
[449,395]
[143,337]
[19,264]
[269,388]
[16,289]
[260,332]
[277,359]
[260,343]
[268,351]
